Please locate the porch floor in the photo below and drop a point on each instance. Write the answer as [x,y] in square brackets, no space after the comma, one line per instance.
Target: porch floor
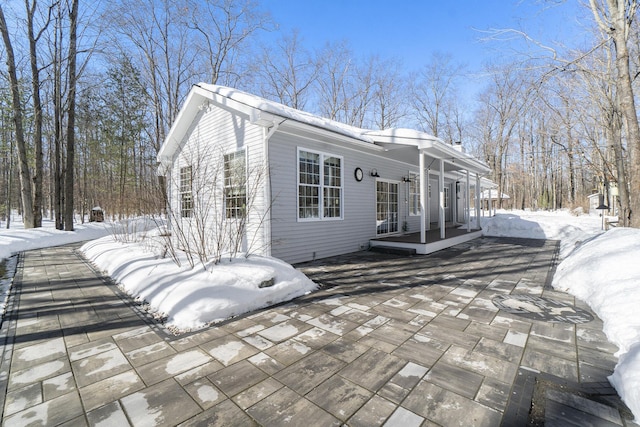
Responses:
[453,236]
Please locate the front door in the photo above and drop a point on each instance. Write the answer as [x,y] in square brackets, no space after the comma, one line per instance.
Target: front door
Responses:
[386,207]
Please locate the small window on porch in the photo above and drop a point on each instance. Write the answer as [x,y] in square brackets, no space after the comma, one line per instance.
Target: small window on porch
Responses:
[414,194]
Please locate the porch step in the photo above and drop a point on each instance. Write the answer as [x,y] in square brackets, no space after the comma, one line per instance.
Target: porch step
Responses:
[393,250]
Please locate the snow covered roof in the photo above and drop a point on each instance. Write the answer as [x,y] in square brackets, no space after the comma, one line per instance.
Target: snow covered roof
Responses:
[493,194]
[268,113]
[283,111]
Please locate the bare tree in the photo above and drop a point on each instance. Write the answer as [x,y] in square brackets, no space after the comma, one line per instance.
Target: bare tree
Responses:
[433,93]
[34,37]
[333,80]
[287,72]
[501,106]
[23,161]
[225,28]
[388,103]
[615,18]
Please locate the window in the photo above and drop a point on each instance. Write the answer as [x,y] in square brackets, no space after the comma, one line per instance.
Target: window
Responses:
[186,192]
[319,186]
[332,187]
[446,197]
[414,193]
[235,184]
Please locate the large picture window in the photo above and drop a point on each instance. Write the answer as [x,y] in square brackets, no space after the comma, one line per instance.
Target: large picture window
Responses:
[186,192]
[319,186]
[235,184]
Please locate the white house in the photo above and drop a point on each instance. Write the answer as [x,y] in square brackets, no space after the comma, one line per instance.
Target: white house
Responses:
[312,187]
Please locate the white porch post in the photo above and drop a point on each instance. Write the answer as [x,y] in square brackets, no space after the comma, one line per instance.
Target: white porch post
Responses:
[467,195]
[441,190]
[423,198]
[489,202]
[478,201]
[428,200]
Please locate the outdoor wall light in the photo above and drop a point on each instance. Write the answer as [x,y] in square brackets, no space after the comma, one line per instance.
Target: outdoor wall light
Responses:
[374,172]
[406,179]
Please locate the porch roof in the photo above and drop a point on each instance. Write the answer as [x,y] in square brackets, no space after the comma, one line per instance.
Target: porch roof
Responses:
[431,146]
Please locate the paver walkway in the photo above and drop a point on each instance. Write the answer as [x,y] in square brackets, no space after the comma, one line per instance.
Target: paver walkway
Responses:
[388,340]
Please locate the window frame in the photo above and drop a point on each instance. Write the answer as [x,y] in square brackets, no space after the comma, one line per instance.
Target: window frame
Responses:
[414,181]
[447,196]
[233,211]
[323,187]
[186,191]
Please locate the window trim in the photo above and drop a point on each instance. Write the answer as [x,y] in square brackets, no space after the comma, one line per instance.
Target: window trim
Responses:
[447,196]
[187,212]
[321,186]
[414,176]
[225,187]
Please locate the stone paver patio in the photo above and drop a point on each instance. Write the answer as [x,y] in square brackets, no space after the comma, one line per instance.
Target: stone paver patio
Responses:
[388,340]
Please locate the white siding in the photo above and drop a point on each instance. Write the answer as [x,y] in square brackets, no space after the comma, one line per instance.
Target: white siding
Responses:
[298,241]
[214,132]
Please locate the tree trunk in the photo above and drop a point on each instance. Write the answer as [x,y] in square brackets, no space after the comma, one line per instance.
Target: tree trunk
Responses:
[628,110]
[25,175]
[57,138]
[37,118]
[69,179]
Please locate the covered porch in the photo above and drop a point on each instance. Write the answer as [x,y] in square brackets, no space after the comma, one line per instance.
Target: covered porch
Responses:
[446,215]
[433,240]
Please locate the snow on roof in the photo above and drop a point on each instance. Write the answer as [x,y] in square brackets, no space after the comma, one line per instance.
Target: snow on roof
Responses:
[403,133]
[493,194]
[265,112]
[286,112]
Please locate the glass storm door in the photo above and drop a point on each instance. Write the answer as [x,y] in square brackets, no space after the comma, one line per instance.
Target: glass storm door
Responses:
[386,207]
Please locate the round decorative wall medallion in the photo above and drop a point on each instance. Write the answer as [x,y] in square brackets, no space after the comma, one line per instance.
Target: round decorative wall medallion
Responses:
[539,308]
[358,174]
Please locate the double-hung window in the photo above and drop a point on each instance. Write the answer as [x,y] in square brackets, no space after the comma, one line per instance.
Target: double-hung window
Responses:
[235,184]
[186,192]
[319,186]
[414,193]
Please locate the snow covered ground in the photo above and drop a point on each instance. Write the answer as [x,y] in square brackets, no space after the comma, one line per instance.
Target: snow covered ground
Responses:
[192,298]
[600,268]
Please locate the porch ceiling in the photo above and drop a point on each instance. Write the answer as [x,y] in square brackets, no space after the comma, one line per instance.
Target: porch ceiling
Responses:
[453,159]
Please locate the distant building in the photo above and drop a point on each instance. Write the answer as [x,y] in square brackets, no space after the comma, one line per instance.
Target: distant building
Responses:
[489,199]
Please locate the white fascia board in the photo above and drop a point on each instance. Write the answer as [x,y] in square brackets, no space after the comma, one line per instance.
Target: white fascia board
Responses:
[291,125]
[440,150]
[190,109]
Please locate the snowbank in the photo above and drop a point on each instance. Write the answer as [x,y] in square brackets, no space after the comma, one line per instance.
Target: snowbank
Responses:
[17,239]
[570,229]
[605,273]
[193,298]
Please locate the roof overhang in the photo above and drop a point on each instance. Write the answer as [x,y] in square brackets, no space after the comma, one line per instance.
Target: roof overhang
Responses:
[196,101]
[395,139]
